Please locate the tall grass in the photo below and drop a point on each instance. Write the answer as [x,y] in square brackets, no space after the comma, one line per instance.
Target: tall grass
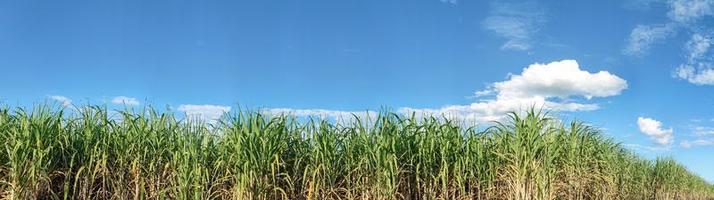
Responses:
[92,154]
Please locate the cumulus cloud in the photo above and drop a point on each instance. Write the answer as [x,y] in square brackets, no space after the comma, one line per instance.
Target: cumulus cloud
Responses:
[654,130]
[560,79]
[123,100]
[64,101]
[208,113]
[643,37]
[549,85]
[552,86]
[516,22]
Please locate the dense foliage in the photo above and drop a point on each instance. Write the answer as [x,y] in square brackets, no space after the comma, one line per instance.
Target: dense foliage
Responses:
[93,154]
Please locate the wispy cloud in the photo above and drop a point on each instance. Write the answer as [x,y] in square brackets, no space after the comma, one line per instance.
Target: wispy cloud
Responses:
[699,68]
[683,16]
[685,11]
[700,135]
[518,23]
[453,2]
[64,101]
[644,36]
[698,46]
[696,76]
[124,100]
[703,131]
[207,113]
[646,148]
[640,4]
[654,129]
[698,142]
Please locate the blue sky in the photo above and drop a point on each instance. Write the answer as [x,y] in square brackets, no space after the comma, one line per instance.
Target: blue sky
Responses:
[643,70]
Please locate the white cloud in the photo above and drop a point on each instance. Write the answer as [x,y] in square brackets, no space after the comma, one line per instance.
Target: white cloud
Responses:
[454,2]
[700,136]
[654,130]
[518,23]
[208,113]
[689,10]
[494,109]
[645,148]
[703,131]
[483,93]
[683,15]
[560,79]
[62,100]
[641,5]
[643,37]
[698,77]
[123,100]
[550,86]
[698,142]
[698,45]
[541,85]
[699,68]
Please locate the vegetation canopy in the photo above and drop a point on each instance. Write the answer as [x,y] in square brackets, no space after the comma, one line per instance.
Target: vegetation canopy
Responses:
[90,153]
